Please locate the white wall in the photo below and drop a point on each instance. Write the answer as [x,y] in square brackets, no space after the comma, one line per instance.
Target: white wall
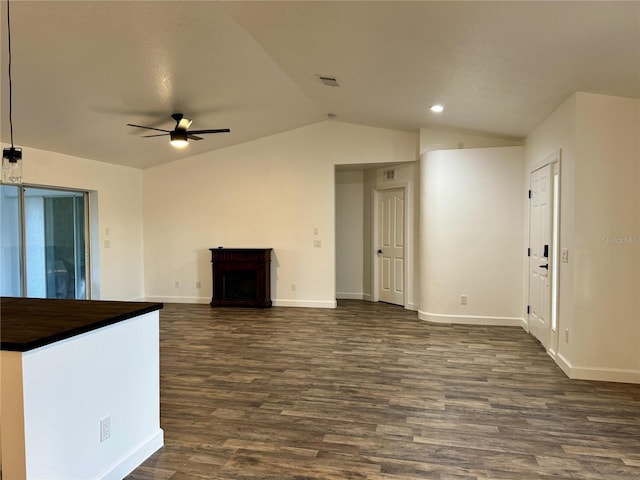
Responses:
[471,235]
[432,139]
[118,191]
[557,133]
[600,220]
[607,234]
[272,192]
[349,234]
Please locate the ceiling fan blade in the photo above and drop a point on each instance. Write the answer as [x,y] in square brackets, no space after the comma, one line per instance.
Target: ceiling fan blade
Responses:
[193,137]
[202,132]
[148,128]
[157,135]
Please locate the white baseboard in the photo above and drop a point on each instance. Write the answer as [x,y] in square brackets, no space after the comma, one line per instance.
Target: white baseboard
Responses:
[412,306]
[276,303]
[620,375]
[167,299]
[473,319]
[349,296]
[133,459]
[304,303]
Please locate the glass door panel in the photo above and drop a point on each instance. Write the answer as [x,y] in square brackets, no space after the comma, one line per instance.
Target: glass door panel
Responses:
[10,241]
[55,243]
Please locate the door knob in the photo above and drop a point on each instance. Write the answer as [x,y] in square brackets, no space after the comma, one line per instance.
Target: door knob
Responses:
[379,252]
[545,266]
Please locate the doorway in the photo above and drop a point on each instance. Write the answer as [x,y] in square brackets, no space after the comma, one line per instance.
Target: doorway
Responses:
[44,242]
[544,232]
[390,235]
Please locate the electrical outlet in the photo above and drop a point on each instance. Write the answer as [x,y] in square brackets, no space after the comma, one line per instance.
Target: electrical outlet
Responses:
[565,255]
[316,231]
[177,284]
[198,284]
[463,299]
[317,244]
[105,428]
[293,287]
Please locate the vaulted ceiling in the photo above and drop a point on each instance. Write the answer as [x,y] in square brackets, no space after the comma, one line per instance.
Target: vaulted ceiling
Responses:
[82,70]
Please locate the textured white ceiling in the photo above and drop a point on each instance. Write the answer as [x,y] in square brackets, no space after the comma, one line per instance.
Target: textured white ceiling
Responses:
[83,69]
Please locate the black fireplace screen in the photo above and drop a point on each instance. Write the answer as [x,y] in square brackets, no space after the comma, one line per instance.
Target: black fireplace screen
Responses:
[239,285]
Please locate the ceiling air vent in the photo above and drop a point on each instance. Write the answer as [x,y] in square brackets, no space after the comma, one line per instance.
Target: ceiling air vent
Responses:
[328,80]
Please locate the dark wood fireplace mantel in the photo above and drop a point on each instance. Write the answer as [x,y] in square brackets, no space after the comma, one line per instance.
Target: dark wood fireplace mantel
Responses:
[241,277]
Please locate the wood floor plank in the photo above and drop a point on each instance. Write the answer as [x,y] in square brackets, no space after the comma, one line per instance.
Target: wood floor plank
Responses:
[368,391]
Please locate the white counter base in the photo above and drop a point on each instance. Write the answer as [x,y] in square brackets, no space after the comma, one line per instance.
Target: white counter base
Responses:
[53,398]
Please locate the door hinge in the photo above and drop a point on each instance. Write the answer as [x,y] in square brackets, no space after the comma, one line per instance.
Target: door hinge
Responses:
[528,252]
[529,193]
[528,309]
[546,251]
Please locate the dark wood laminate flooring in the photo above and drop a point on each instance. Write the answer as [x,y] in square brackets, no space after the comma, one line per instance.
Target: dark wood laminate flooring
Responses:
[370,392]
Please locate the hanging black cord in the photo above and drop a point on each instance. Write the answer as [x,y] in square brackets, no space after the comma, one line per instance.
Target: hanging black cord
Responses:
[10,83]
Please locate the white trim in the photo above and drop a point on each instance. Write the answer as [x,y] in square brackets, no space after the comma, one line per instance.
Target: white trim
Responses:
[281,302]
[134,458]
[375,198]
[168,299]
[412,306]
[552,159]
[305,303]
[622,375]
[473,320]
[350,296]
[406,186]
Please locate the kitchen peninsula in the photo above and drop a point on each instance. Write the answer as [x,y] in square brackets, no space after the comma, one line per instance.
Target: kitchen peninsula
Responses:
[80,385]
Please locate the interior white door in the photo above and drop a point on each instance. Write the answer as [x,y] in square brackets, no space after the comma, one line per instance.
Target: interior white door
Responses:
[391,243]
[540,217]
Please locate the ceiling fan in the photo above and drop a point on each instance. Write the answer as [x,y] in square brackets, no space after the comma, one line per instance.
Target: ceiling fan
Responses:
[181,134]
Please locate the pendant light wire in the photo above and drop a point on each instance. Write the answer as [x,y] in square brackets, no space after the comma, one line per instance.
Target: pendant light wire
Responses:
[10,81]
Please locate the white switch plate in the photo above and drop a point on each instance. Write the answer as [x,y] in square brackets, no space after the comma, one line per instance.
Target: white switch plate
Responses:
[565,255]
[317,244]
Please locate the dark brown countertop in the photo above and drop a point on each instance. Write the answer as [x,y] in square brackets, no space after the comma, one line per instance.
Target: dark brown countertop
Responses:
[28,323]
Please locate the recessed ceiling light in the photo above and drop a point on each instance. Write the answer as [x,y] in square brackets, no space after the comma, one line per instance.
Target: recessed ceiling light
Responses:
[436,108]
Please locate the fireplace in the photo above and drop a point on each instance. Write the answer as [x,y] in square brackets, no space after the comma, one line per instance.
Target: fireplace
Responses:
[241,277]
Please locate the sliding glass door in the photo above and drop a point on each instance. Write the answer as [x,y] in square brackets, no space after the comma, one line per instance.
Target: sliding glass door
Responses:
[11,267]
[44,243]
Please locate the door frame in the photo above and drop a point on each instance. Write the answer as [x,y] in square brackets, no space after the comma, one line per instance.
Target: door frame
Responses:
[89,247]
[554,160]
[408,235]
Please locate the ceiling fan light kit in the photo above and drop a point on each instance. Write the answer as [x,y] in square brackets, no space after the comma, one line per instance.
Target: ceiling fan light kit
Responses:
[178,138]
[180,135]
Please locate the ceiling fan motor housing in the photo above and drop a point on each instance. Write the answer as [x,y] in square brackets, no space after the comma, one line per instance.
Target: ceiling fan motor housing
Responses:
[178,135]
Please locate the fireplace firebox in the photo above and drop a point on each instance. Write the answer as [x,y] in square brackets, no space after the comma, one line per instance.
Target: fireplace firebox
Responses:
[241,277]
